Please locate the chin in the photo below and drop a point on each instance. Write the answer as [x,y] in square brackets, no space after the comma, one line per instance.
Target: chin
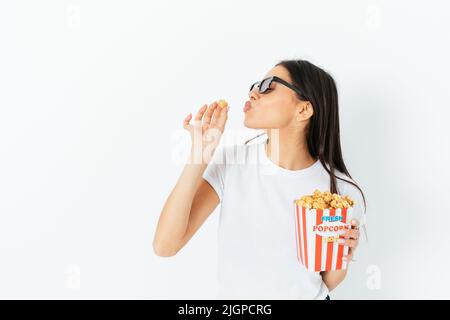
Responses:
[250,124]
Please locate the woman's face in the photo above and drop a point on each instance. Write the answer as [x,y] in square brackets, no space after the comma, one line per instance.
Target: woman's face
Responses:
[277,108]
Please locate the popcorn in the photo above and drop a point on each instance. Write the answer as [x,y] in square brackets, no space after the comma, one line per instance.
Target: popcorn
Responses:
[318,219]
[223,103]
[325,200]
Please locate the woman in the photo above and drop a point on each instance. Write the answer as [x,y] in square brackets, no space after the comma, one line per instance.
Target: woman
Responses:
[297,106]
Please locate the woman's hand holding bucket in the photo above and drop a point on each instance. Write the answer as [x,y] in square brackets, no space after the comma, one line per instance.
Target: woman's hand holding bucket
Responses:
[351,239]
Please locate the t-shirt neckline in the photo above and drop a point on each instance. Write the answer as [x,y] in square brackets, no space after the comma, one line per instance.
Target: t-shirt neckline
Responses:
[301,172]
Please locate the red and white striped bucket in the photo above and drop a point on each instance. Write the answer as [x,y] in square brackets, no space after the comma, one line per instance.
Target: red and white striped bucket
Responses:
[316,234]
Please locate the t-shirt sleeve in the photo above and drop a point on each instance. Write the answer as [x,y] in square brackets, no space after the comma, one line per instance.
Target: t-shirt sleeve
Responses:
[215,172]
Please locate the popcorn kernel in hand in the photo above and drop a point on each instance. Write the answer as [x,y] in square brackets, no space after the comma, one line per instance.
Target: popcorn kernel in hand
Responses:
[223,103]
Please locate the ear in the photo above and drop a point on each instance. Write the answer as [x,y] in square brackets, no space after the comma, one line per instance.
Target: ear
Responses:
[304,111]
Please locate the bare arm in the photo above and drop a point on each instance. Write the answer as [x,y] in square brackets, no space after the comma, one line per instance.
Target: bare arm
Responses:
[192,199]
[189,204]
[333,278]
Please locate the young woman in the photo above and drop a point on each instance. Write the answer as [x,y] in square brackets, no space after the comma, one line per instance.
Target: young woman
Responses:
[297,106]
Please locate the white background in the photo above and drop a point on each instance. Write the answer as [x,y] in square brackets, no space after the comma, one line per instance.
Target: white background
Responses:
[92,98]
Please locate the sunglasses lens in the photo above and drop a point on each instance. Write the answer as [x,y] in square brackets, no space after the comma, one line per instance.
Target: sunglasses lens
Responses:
[254,85]
[265,85]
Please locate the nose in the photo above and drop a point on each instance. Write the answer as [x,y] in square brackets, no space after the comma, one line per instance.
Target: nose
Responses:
[253,95]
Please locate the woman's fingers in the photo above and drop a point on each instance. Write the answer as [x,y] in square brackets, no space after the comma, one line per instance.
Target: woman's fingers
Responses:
[348,257]
[222,119]
[199,115]
[355,223]
[209,113]
[186,120]
[352,233]
[215,117]
[348,242]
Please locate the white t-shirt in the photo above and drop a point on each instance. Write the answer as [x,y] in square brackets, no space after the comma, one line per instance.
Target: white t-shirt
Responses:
[257,250]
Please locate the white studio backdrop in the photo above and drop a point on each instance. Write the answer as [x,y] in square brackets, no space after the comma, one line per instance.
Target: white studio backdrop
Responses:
[92,98]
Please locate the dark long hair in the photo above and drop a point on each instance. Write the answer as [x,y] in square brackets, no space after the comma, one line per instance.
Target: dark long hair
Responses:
[323,129]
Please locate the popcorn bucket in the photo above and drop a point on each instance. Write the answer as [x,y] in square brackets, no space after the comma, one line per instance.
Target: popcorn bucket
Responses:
[316,234]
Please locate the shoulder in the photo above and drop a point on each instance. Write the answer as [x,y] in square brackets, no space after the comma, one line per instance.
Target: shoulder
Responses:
[345,183]
[352,190]
[349,187]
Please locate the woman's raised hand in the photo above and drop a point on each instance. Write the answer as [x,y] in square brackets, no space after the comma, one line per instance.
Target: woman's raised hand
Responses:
[206,130]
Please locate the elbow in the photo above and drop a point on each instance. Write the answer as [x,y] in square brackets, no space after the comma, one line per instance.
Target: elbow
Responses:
[163,250]
[331,285]
[333,278]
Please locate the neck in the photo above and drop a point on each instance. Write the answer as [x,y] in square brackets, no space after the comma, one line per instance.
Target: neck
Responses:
[288,149]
